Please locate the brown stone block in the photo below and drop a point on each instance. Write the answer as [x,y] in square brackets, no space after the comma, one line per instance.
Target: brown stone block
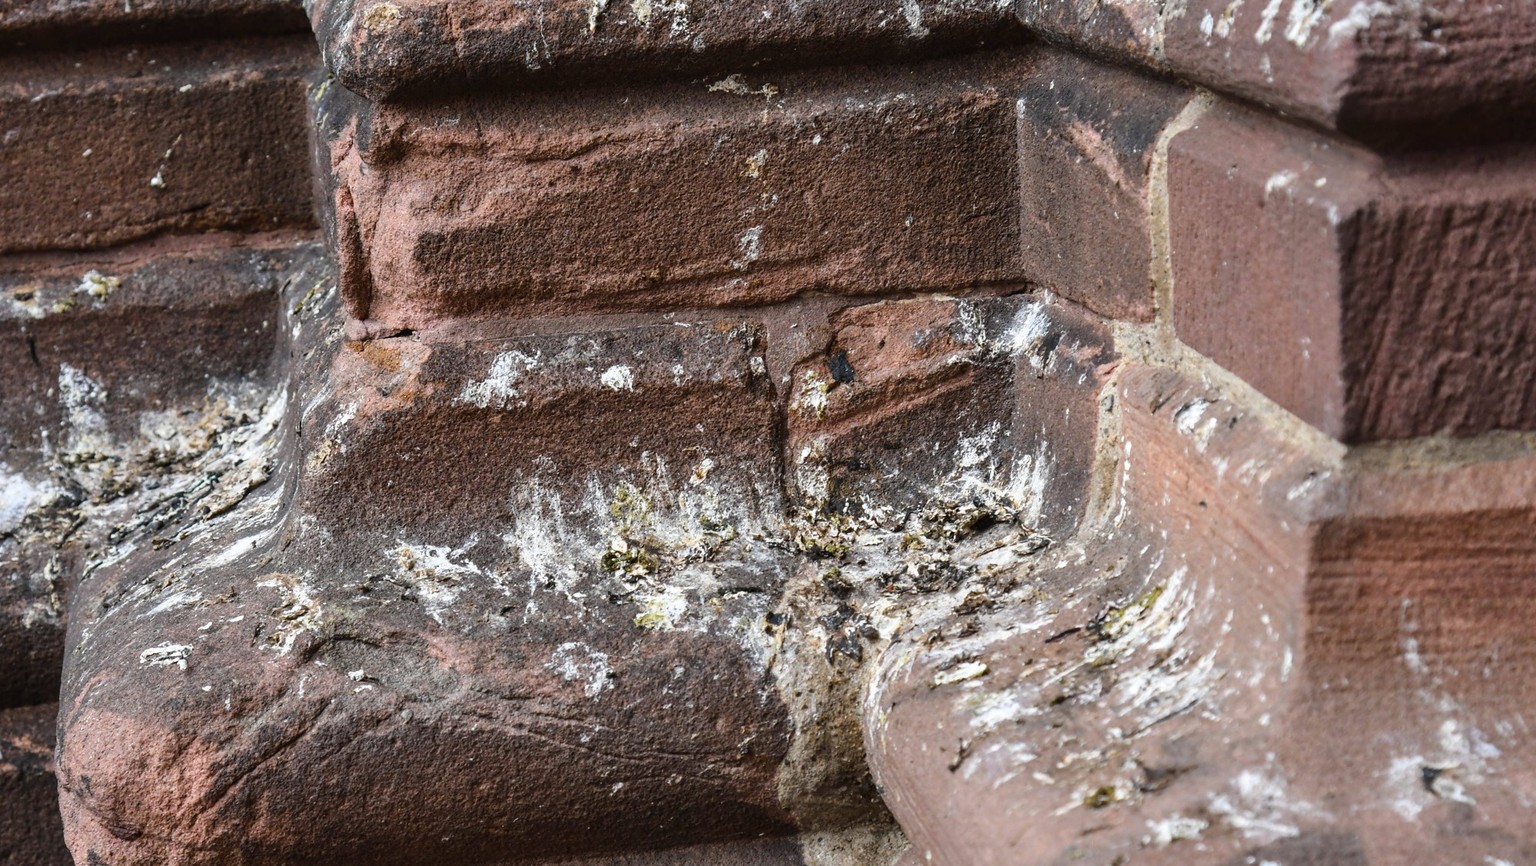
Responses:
[989,396]
[862,182]
[122,378]
[31,831]
[1259,648]
[1086,135]
[124,143]
[386,50]
[34,24]
[1134,674]
[1371,69]
[512,589]
[1376,299]
[554,412]
[1420,633]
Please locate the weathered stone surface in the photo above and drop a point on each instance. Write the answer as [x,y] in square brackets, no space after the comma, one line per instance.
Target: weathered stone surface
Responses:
[1127,678]
[1259,648]
[126,381]
[1372,69]
[385,50]
[583,671]
[1086,139]
[1376,299]
[35,24]
[31,832]
[1378,70]
[122,143]
[1420,639]
[859,182]
[1004,390]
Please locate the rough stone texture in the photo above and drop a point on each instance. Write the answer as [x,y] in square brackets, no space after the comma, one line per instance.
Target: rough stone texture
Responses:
[31,832]
[1420,634]
[122,377]
[858,182]
[906,391]
[122,143]
[51,24]
[1378,70]
[385,50]
[1375,299]
[366,652]
[1321,673]
[1086,140]
[697,452]
[1126,679]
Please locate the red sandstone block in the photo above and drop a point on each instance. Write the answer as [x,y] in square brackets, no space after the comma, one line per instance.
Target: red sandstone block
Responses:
[1086,136]
[123,143]
[118,375]
[31,831]
[1253,623]
[413,47]
[511,587]
[1376,298]
[747,190]
[1368,68]
[34,24]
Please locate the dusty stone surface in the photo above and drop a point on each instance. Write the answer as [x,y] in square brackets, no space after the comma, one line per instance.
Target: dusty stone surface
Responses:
[1392,310]
[125,142]
[126,389]
[31,831]
[620,601]
[747,433]
[857,182]
[1130,672]
[1005,389]
[406,48]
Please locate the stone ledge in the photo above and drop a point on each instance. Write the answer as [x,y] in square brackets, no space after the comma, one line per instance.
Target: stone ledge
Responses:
[1382,71]
[425,48]
[123,143]
[51,25]
[861,182]
[122,375]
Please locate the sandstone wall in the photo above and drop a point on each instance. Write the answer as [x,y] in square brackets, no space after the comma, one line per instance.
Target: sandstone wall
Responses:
[819,432]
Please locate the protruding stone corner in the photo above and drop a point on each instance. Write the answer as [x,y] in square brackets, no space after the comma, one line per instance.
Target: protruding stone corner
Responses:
[1378,324]
[1170,687]
[1089,700]
[374,642]
[1382,72]
[393,50]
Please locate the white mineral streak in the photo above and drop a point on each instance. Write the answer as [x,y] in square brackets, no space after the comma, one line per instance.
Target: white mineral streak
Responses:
[499,388]
[166,654]
[576,662]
